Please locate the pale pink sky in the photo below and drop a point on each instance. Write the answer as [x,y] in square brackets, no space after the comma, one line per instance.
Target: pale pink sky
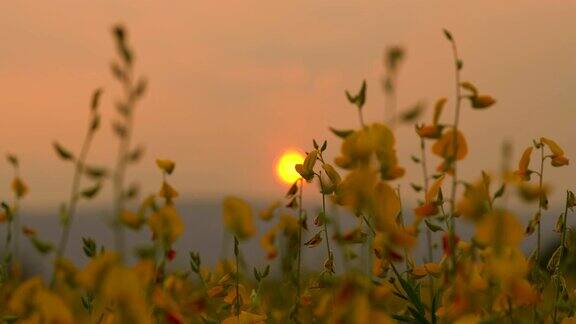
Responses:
[233,83]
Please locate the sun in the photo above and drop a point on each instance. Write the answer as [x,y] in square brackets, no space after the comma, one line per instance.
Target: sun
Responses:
[285,166]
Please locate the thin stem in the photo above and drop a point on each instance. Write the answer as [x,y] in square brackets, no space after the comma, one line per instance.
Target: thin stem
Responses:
[452,240]
[74,194]
[325,220]
[361,118]
[237,282]
[428,231]
[540,201]
[121,165]
[562,245]
[391,101]
[299,265]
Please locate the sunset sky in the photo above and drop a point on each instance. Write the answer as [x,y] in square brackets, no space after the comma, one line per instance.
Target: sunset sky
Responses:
[235,83]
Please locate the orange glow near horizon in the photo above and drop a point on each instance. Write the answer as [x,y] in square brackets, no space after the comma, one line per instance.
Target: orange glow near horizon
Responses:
[285,166]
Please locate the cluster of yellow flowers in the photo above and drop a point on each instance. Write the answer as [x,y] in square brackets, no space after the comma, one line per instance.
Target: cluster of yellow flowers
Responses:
[484,278]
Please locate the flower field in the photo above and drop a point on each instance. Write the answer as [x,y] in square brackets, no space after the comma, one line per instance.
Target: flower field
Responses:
[370,273]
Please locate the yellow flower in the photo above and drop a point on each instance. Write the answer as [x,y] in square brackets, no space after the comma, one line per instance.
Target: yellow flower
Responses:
[558,158]
[125,288]
[429,207]
[19,187]
[386,206]
[167,191]
[444,147]
[51,308]
[523,172]
[376,139]
[166,224]
[32,302]
[306,169]
[468,319]
[357,189]
[267,243]
[432,269]
[237,216]
[91,276]
[131,219]
[245,318]
[267,213]
[289,224]
[475,202]
[532,192]
[499,228]
[166,165]
[434,130]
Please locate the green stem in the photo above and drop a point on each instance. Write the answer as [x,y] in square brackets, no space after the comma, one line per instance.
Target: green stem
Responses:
[237,282]
[121,165]
[74,194]
[562,245]
[452,229]
[325,221]
[540,201]
[299,256]
[428,231]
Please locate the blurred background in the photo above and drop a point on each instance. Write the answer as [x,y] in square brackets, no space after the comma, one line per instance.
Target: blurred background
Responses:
[233,85]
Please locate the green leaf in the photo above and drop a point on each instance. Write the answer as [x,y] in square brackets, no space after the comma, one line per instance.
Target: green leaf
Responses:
[12,159]
[95,101]
[342,133]
[95,124]
[89,247]
[41,246]
[500,191]
[95,172]
[360,98]
[433,227]
[413,113]
[136,154]
[448,35]
[571,200]
[62,152]
[141,87]
[416,187]
[91,192]
[9,319]
[119,129]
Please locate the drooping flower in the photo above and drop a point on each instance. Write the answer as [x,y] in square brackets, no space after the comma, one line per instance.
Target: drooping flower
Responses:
[433,130]
[166,224]
[267,243]
[430,207]
[237,217]
[444,147]
[377,140]
[267,213]
[523,173]
[499,228]
[306,169]
[557,156]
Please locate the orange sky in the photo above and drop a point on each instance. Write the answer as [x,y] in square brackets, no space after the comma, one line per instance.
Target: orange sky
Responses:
[233,83]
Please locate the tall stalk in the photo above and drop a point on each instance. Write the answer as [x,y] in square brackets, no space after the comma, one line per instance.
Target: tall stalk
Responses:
[562,247]
[237,277]
[19,189]
[454,161]
[79,166]
[325,217]
[299,255]
[540,202]
[133,90]
[428,230]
